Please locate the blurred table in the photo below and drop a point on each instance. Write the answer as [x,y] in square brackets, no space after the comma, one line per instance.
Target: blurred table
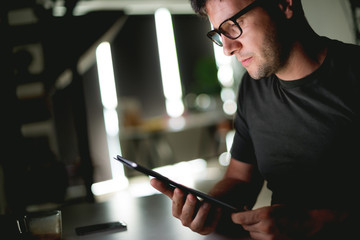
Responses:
[147,218]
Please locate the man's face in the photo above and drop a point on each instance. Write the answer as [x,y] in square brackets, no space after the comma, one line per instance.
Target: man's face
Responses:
[258,48]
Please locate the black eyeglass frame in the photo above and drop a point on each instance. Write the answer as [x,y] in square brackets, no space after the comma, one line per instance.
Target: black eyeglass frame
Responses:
[233,19]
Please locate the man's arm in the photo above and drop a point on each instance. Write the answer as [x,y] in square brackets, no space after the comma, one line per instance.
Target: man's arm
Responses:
[240,186]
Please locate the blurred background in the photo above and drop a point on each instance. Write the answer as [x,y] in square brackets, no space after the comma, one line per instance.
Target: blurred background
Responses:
[86,80]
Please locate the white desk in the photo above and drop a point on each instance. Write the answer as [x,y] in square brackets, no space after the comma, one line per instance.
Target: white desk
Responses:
[147,218]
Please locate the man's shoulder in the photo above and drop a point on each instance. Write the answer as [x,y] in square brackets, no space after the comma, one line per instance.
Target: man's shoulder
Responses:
[343,61]
[345,57]
[341,48]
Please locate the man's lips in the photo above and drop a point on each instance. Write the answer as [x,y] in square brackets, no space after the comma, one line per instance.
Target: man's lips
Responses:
[246,61]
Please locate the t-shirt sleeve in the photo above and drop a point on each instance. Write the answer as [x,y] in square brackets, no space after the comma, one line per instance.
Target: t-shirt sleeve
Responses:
[242,148]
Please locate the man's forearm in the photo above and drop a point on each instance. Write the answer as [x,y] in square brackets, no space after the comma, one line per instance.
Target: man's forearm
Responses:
[328,223]
[236,192]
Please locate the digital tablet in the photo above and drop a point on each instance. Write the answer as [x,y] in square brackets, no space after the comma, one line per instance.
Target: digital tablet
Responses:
[173,184]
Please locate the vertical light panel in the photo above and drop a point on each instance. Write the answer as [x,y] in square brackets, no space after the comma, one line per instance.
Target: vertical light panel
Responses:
[111,120]
[168,63]
[106,76]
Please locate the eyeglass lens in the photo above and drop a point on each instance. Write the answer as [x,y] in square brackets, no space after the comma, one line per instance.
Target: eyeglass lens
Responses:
[227,28]
[230,29]
[215,37]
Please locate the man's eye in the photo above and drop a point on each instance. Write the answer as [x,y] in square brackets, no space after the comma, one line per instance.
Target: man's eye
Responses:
[240,21]
[232,25]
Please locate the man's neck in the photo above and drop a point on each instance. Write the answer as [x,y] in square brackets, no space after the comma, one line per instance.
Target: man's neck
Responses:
[304,58]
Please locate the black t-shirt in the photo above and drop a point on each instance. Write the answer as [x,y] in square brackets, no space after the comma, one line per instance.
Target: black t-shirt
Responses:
[304,135]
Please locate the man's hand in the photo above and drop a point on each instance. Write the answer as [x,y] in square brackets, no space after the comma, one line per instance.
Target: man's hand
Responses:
[283,223]
[260,223]
[199,217]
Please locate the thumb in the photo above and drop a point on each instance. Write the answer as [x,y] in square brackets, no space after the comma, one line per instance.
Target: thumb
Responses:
[161,187]
[246,218]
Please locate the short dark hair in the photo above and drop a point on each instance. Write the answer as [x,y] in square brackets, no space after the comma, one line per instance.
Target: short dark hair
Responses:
[199,6]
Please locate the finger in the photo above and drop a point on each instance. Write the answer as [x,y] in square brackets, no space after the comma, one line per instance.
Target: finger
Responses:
[178,201]
[189,210]
[161,187]
[251,228]
[206,219]
[246,218]
[258,235]
[198,223]
[254,231]
[263,227]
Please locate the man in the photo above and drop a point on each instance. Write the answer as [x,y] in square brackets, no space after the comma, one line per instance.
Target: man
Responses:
[297,126]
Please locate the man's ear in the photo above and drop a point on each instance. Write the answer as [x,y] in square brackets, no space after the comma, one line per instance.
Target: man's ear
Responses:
[286,6]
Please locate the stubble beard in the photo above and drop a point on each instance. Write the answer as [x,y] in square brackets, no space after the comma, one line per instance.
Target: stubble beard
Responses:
[273,55]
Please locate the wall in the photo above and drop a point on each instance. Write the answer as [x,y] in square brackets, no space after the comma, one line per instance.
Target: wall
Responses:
[331,18]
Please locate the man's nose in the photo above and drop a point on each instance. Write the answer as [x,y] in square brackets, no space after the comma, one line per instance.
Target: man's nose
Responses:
[230,46]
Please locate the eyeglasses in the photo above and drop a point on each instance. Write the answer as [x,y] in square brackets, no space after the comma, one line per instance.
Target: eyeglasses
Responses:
[230,28]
